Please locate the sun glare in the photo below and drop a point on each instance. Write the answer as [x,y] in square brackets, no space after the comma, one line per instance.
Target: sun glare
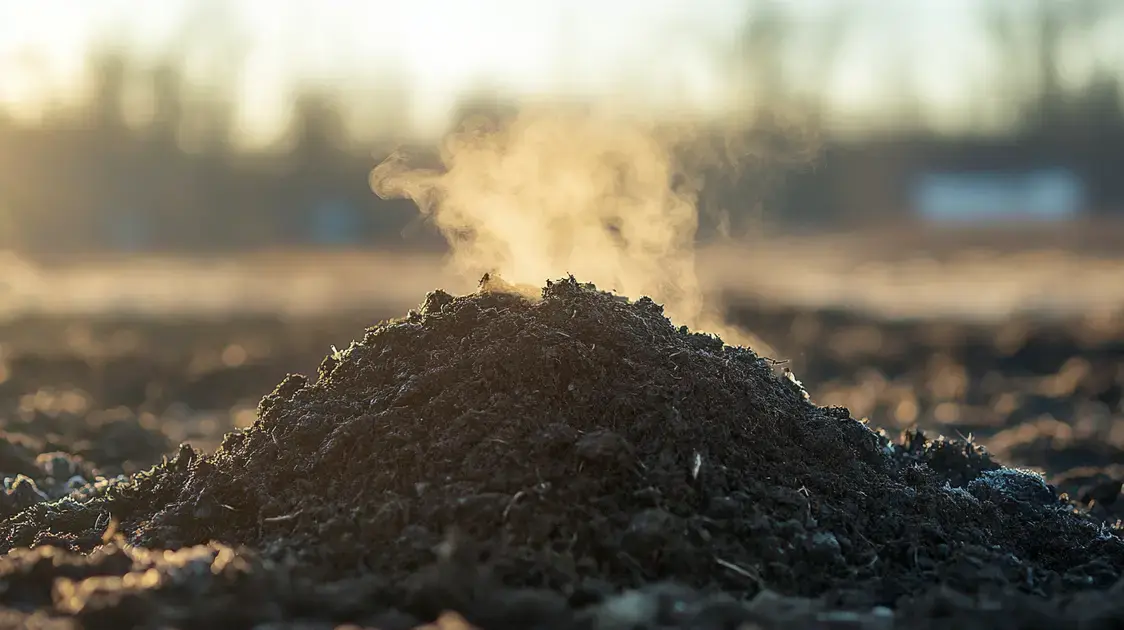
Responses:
[442,48]
[652,53]
[42,48]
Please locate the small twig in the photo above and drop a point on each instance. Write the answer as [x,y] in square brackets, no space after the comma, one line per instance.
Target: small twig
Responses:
[282,518]
[742,571]
[511,503]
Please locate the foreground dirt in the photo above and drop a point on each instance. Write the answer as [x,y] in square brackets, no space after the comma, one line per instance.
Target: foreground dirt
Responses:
[574,461]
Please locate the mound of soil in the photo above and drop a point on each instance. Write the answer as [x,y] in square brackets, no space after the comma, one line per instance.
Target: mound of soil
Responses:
[1041,393]
[581,444]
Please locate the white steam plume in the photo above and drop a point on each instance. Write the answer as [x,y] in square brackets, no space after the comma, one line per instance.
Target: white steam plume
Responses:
[610,199]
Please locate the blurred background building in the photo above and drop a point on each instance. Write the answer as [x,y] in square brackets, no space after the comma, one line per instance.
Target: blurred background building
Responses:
[239,125]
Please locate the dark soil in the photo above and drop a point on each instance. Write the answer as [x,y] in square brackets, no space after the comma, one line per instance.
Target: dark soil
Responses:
[575,461]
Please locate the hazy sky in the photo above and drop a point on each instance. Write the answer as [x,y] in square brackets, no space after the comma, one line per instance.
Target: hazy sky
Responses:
[653,48]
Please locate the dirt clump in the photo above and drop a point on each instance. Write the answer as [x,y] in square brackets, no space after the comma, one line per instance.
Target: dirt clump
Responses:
[580,444]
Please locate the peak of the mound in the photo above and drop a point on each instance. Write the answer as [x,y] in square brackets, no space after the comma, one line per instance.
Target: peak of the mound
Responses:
[578,439]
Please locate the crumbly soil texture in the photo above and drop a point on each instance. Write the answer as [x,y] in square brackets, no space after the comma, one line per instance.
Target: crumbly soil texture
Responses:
[569,461]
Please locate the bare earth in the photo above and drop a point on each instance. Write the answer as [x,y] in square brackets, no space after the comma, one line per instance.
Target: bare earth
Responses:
[610,469]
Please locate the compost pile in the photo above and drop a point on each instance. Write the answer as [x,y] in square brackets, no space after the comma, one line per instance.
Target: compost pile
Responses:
[575,459]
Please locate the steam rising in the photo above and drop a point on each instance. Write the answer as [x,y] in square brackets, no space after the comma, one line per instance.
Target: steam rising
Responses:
[614,201]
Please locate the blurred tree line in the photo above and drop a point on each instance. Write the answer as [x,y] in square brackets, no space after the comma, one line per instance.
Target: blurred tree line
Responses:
[95,180]
[92,180]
